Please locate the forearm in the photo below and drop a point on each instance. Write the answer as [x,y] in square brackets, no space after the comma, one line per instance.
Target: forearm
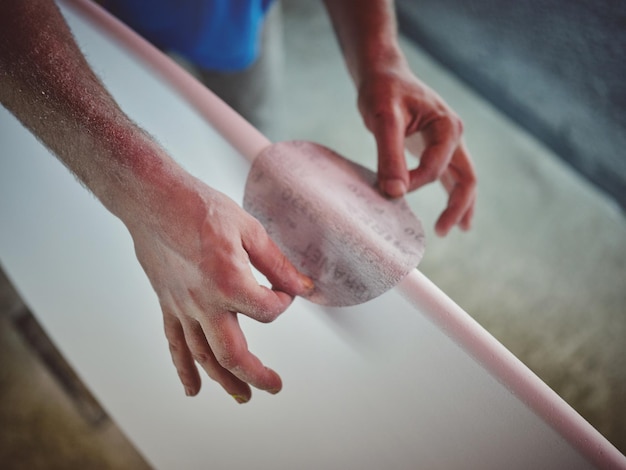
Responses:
[48,85]
[367,34]
[194,243]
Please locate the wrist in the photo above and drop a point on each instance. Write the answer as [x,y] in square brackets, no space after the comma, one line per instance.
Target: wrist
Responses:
[368,36]
[380,59]
[131,174]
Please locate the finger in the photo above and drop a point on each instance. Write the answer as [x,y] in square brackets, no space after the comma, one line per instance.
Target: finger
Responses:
[459,203]
[231,352]
[389,131]
[462,169]
[233,287]
[242,293]
[466,221]
[442,139]
[196,339]
[181,356]
[460,181]
[268,259]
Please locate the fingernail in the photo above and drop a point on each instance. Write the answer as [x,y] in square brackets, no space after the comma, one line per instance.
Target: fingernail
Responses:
[307,282]
[189,392]
[394,187]
[240,398]
[274,391]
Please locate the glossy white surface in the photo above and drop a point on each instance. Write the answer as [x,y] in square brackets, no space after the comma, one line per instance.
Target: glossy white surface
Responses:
[373,386]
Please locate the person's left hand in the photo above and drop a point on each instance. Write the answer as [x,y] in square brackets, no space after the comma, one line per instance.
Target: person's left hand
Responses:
[395,105]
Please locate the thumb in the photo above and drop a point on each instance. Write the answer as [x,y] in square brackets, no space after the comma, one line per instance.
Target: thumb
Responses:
[273,264]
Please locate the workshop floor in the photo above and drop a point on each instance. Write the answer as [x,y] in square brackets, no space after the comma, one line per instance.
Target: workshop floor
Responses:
[544,268]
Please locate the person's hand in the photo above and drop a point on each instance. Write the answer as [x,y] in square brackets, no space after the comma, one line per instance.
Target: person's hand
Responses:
[194,243]
[196,250]
[395,106]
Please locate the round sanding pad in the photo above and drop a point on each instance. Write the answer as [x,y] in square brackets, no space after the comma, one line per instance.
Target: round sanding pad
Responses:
[328,217]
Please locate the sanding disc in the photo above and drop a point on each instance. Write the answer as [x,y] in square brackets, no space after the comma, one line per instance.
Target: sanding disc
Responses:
[332,223]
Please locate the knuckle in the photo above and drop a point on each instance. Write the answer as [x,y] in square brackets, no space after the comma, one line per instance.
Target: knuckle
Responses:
[176,346]
[472,182]
[460,127]
[201,357]
[379,99]
[230,359]
[228,285]
[171,329]
[263,307]
[468,180]
[383,112]
[280,264]
[432,173]
[448,122]
[253,230]
[455,123]
[268,315]
[256,228]
[384,115]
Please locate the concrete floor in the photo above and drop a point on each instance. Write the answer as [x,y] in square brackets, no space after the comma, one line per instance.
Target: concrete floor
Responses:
[42,426]
[544,269]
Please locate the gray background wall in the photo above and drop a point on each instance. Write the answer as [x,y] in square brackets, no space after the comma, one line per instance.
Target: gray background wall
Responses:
[556,67]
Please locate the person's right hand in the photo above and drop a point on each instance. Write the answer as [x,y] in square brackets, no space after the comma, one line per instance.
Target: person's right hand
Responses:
[196,250]
[401,111]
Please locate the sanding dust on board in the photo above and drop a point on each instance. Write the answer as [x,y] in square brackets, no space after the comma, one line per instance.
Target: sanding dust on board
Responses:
[328,217]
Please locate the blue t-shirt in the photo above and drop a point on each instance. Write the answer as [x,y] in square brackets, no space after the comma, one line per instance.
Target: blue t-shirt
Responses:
[213,34]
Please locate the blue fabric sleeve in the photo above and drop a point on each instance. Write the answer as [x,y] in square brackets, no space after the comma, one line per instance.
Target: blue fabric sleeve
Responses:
[213,34]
